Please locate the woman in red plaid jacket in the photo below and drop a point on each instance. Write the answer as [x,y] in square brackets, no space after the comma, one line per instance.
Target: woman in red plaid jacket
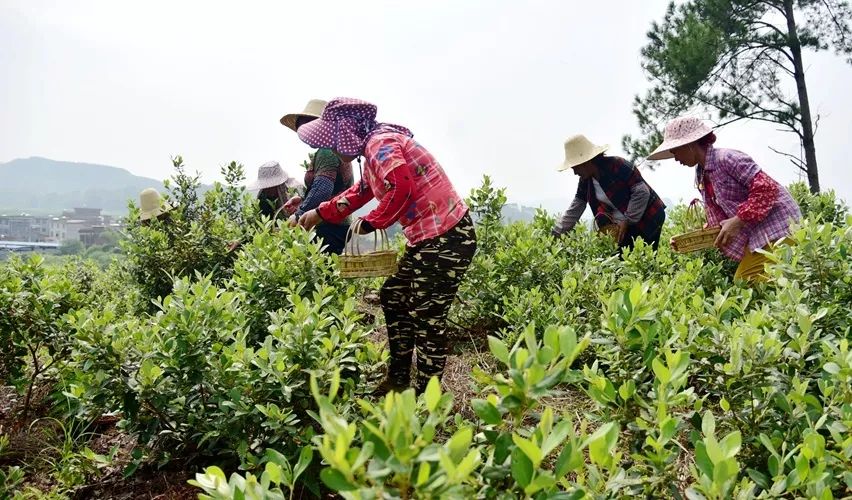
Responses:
[752,209]
[616,192]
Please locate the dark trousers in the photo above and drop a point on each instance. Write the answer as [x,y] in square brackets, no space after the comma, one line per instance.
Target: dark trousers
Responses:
[651,236]
[332,237]
[417,299]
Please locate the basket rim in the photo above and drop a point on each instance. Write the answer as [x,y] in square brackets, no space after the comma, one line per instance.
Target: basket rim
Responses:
[698,233]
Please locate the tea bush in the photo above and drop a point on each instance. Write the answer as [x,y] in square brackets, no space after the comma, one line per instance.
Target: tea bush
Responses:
[610,375]
[192,238]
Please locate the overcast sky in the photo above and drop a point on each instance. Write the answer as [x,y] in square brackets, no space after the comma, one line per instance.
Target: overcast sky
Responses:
[490,87]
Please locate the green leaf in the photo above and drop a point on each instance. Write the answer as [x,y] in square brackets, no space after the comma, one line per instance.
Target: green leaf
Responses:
[529,338]
[556,437]
[767,443]
[803,468]
[627,389]
[759,478]
[335,480]
[731,444]
[662,373]
[498,349]
[423,474]
[569,459]
[305,457]
[433,394]
[529,448]
[458,444]
[702,460]
[636,292]
[831,368]
[486,411]
[522,468]
[568,342]
[602,443]
[708,424]
[668,428]
[273,471]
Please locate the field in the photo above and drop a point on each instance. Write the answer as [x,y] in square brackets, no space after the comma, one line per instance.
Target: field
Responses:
[576,372]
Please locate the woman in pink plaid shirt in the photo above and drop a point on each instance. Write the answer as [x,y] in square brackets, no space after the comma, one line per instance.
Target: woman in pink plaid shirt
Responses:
[753,210]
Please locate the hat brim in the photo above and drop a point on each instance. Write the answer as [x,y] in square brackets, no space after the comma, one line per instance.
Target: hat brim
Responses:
[318,134]
[152,214]
[664,150]
[267,183]
[565,165]
[289,120]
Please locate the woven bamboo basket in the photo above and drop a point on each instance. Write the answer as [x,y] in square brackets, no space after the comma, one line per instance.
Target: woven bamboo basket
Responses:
[699,239]
[610,229]
[696,240]
[354,263]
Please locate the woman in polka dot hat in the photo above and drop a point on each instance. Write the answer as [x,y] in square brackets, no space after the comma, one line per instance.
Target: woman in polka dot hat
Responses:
[753,209]
[413,190]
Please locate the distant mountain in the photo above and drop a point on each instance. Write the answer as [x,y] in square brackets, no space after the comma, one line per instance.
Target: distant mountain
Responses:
[43,185]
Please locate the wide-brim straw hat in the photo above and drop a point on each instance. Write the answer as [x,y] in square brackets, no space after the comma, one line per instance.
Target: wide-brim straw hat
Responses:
[680,132]
[312,110]
[270,174]
[579,150]
[151,204]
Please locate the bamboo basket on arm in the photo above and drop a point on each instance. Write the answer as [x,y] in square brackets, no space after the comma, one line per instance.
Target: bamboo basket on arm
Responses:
[381,261]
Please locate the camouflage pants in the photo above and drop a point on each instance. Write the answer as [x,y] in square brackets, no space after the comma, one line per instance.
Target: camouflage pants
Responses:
[417,298]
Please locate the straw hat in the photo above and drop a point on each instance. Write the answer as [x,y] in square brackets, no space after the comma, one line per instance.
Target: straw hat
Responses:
[680,132]
[579,150]
[270,174]
[151,204]
[312,110]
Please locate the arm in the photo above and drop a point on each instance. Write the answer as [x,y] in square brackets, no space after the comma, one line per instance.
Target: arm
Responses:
[325,164]
[640,193]
[762,195]
[570,217]
[393,204]
[321,190]
[342,205]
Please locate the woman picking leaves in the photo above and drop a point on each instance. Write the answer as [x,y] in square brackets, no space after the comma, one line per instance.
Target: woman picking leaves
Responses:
[752,209]
[413,190]
[326,176]
[616,192]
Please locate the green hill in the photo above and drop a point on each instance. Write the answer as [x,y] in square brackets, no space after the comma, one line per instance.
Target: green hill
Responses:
[43,185]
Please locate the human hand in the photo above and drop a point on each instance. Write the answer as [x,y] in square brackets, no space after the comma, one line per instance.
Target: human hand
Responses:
[730,228]
[310,219]
[621,232]
[292,221]
[292,204]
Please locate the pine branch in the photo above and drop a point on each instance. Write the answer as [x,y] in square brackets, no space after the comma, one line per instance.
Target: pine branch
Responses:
[792,158]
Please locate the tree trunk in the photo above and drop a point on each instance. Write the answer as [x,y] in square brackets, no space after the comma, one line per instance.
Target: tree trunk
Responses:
[804,104]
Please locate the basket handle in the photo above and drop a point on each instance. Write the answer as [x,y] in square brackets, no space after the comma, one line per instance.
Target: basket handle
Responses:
[353,243]
[595,219]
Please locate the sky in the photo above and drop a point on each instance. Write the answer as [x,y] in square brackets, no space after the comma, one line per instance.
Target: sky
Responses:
[490,87]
